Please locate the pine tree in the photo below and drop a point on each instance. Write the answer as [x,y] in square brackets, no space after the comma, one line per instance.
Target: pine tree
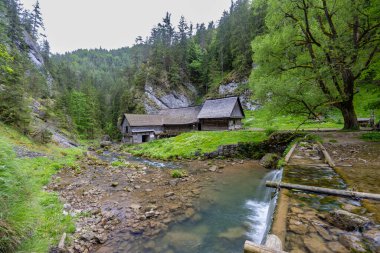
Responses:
[37,21]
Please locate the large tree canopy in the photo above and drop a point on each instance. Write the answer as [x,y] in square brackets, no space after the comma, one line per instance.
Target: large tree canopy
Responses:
[314,52]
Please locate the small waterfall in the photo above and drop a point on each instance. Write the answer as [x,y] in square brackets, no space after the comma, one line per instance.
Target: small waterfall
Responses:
[262,208]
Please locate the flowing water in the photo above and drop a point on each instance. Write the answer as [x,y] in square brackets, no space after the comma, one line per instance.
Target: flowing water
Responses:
[235,208]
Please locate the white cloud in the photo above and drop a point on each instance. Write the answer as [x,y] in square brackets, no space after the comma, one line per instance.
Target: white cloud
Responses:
[73,24]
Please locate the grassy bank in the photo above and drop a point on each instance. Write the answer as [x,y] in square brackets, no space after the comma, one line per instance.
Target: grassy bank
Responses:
[187,144]
[264,118]
[31,219]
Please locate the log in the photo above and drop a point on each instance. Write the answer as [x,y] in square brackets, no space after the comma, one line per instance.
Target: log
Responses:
[326,154]
[250,247]
[290,153]
[328,191]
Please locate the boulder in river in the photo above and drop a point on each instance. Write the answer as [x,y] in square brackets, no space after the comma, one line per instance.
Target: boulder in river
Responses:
[348,221]
[270,161]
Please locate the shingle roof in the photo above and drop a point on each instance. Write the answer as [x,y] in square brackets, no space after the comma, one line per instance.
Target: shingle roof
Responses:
[219,108]
[180,116]
[215,108]
[144,120]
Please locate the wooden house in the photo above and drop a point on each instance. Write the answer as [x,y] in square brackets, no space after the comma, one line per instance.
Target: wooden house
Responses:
[139,128]
[221,114]
[215,114]
[179,120]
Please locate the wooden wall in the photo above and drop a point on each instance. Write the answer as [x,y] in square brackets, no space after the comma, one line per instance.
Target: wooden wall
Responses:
[214,124]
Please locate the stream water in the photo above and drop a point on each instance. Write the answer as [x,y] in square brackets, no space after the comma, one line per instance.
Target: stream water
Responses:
[235,208]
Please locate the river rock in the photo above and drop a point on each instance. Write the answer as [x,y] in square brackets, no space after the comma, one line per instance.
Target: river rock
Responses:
[348,221]
[104,144]
[300,229]
[87,236]
[150,214]
[102,238]
[336,247]
[174,182]
[168,194]
[269,161]
[233,233]
[323,232]
[373,236]
[213,168]
[114,184]
[352,243]
[315,244]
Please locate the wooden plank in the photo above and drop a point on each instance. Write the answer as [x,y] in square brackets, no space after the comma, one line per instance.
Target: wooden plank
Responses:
[280,216]
[328,191]
[251,247]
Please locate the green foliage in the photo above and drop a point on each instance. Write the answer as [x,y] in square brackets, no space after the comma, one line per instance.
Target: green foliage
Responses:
[270,131]
[31,219]
[300,58]
[118,163]
[187,145]
[82,108]
[13,108]
[178,173]
[374,136]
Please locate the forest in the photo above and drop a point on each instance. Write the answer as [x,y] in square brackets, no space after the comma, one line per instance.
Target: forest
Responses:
[301,60]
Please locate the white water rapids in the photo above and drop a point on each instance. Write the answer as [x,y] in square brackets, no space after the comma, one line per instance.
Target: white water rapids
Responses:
[262,208]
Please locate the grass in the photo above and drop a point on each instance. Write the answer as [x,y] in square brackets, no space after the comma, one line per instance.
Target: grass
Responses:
[187,145]
[265,119]
[178,174]
[374,136]
[33,215]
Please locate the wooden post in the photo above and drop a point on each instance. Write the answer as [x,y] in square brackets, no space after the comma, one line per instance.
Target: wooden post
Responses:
[328,191]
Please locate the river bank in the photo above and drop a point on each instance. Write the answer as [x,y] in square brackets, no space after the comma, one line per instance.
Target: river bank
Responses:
[136,206]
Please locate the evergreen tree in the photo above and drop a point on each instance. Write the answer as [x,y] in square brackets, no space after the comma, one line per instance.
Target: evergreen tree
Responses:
[37,21]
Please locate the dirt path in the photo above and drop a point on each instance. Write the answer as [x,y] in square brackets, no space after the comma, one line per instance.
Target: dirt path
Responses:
[123,205]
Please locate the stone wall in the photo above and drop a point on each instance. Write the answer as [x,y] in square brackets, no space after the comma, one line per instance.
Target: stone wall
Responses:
[276,143]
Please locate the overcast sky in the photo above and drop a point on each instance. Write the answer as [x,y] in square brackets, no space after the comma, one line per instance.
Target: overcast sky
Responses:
[73,24]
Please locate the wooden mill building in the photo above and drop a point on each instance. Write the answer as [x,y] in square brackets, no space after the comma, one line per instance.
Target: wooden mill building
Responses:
[213,115]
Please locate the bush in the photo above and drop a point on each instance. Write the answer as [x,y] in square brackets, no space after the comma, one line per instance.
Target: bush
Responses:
[269,131]
[374,136]
[179,174]
[117,163]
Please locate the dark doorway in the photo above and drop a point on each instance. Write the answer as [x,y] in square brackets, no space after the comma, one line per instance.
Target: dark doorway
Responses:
[145,138]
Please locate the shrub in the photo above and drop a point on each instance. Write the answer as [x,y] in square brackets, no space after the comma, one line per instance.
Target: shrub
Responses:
[117,163]
[270,131]
[374,136]
[179,174]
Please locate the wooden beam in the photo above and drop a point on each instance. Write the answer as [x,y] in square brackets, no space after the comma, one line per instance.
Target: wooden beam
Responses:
[251,247]
[280,216]
[328,191]
[326,154]
[290,153]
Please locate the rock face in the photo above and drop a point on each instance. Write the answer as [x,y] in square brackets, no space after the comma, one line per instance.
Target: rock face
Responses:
[244,95]
[348,221]
[157,99]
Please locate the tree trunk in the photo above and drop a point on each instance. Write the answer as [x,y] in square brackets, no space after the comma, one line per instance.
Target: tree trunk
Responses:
[347,106]
[349,115]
